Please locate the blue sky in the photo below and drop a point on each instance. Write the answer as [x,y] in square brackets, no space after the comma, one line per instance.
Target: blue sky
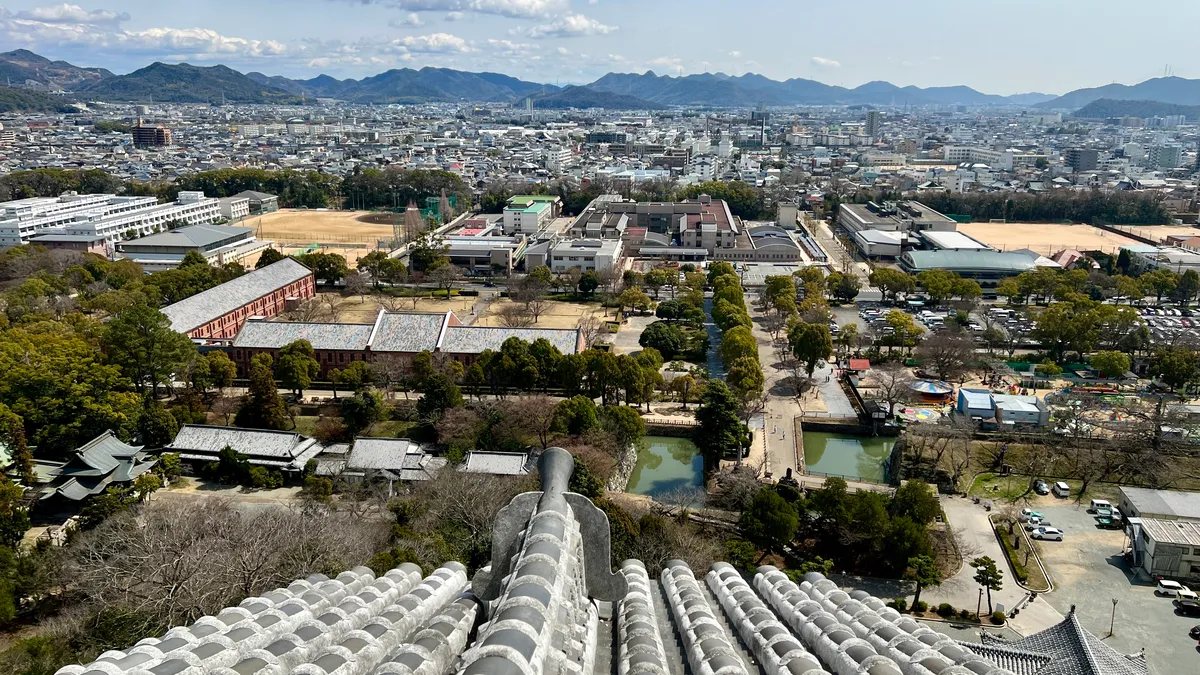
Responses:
[998,47]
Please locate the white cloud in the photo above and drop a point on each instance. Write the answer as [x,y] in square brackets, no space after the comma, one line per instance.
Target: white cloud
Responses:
[434,43]
[822,62]
[512,49]
[563,51]
[413,19]
[68,25]
[570,25]
[454,16]
[735,55]
[509,8]
[72,14]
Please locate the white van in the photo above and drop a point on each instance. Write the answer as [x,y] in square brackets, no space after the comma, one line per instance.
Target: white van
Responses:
[1099,504]
[1061,489]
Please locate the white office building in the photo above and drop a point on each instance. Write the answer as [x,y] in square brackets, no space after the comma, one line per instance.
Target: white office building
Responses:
[586,254]
[996,159]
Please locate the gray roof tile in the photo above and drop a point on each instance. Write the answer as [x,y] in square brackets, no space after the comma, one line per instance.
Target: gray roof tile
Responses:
[408,333]
[214,303]
[276,334]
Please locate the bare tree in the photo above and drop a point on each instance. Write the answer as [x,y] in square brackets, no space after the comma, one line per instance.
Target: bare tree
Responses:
[946,353]
[332,304]
[893,383]
[515,315]
[536,414]
[591,327]
[226,406]
[357,284]
[177,560]
[445,277]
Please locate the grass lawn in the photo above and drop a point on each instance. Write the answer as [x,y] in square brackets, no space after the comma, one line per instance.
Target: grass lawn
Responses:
[1022,560]
[1014,488]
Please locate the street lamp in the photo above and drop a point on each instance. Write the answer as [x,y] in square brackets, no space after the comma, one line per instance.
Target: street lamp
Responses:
[1113,620]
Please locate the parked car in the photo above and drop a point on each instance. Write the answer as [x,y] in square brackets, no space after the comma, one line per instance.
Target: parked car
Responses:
[1048,534]
[1098,504]
[1171,589]
[1188,607]
[1061,490]
[1040,487]
[1035,523]
[1027,513]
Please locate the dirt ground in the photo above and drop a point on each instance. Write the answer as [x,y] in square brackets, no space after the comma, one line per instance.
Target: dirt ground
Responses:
[1161,232]
[1045,238]
[347,233]
[558,314]
[364,309]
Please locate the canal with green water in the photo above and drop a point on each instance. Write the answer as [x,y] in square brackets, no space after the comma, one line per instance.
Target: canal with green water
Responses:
[666,465]
[845,456]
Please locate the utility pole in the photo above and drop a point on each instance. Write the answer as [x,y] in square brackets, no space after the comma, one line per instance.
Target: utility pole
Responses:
[1112,621]
[979,605]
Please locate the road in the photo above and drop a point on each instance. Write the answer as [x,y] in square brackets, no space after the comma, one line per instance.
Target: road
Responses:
[970,523]
[778,454]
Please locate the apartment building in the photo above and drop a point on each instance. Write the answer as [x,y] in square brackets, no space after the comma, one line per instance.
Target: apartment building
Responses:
[146,136]
[1081,159]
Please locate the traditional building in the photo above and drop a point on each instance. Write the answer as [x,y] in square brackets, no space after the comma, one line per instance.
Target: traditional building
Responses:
[549,603]
[102,462]
[219,312]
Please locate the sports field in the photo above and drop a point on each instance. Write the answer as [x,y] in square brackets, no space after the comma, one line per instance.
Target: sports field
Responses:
[1160,233]
[1045,238]
[352,234]
[557,314]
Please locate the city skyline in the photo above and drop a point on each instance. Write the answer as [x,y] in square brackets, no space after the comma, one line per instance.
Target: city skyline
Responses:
[577,41]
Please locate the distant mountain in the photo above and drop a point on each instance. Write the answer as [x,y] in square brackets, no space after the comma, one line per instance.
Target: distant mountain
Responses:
[1107,107]
[1030,99]
[411,86]
[185,83]
[25,100]
[719,89]
[584,97]
[1177,90]
[21,67]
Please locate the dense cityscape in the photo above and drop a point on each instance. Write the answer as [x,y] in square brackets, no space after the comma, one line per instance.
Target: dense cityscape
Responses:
[444,355]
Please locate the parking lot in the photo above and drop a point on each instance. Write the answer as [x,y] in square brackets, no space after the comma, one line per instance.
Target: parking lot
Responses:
[1088,571]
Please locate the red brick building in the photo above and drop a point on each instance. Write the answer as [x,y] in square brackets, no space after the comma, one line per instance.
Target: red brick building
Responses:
[392,336]
[220,312]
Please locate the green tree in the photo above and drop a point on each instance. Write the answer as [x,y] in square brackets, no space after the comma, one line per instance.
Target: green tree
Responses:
[1129,288]
[938,284]
[988,576]
[268,257]
[427,253]
[1160,282]
[1186,288]
[624,423]
[745,378]
[297,366]
[743,200]
[589,281]
[811,343]
[142,343]
[923,571]
[264,407]
[14,518]
[362,410]
[635,299]
[146,485]
[438,394]
[12,437]
[916,500]
[372,263]
[770,522]
[738,342]
[1176,366]
[658,277]
[575,415]
[720,269]
[584,482]
[1110,363]
[156,425]
[720,427]
[891,282]
[669,339]
[327,267]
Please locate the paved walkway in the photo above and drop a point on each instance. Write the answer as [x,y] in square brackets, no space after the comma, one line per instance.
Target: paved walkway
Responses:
[976,539]
[836,401]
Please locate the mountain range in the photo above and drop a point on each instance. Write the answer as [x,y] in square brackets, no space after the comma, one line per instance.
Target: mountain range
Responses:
[21,66]
[719,89]
[199,84]
[1107,107]
[1177,90]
